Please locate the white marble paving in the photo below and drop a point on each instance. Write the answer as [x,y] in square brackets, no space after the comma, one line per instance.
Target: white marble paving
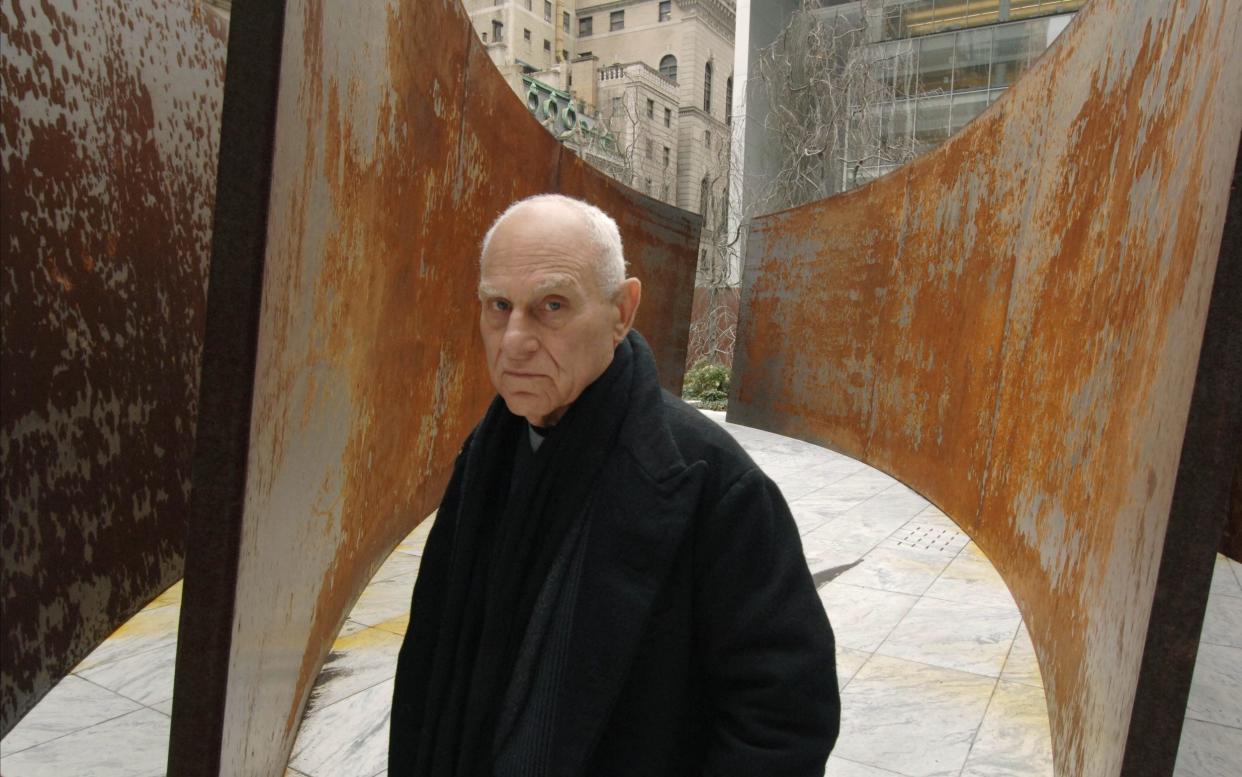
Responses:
[902,570]
[1022,666]
[359,660]
[132,745]
[1222,623]
[349,737]
[911,718]
[841,767]
[72,705]
[149,629]
[1014,740]
[954,635]
[862,618]
[1208,750]
[1216,687]
[938,675]
[849,661]
[147,677]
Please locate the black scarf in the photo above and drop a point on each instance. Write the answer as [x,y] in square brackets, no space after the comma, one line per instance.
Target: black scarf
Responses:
[488,556]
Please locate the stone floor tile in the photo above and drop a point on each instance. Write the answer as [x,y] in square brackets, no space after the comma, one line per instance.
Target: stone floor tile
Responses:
[398,565]
[1014,740]
[358,660]
[349,737]
[1222,621]
[910,718]
[901,570]
[1021,666]
[841,767]
[954,635]
[973,580]
[383,601]
[149,629]
[1224,582]
[132,745]
[849,661]
[416,540]
[863,617]
[147,677]
[164,707]
[1209,750]
[73,704]
[1216,686]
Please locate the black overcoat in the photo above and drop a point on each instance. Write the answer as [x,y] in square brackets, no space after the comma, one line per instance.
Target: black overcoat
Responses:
[699,644]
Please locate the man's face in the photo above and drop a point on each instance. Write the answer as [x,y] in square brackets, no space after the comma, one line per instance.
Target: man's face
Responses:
[547,327]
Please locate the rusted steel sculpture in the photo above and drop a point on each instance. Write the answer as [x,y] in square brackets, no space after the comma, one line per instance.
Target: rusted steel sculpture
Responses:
[396,142]
[1012,324]
[109,140]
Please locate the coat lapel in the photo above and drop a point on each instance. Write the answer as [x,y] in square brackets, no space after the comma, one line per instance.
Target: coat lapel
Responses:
[636,527]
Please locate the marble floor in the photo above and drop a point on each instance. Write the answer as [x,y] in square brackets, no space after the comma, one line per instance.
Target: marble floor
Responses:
[937,672]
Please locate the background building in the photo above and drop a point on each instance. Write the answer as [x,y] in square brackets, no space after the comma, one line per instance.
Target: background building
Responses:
[841,94]
[657,74]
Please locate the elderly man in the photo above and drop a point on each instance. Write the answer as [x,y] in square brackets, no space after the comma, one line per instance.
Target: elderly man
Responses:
[611,585]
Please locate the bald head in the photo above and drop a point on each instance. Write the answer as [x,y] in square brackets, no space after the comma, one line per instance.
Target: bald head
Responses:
[599,233]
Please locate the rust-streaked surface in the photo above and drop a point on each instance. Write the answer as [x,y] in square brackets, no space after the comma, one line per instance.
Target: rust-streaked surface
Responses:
[1011,325]
[396,144]
[109,132]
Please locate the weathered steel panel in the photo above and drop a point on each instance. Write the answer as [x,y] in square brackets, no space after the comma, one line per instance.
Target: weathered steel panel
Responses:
[110,118]
[1012,324]
[396,144]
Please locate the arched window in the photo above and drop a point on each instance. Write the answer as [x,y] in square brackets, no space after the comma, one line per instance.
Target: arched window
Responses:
[707,87]
[668,67]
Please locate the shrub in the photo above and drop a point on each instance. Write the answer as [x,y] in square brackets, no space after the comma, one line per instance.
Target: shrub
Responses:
[708,384]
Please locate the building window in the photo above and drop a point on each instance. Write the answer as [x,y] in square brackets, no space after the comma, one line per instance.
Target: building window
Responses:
[547,45]
[565,21]
[668,117]
[616,21]
[584,55]
[547,10]
[666,156]
[585,26]
[703,197]
[647,188]
[650,149]
[665,10]
[668,67]
[498,31]
[729,100]
[526,35]
[707,87]
[707,139]
[650,109]
[616,106]
[664,191]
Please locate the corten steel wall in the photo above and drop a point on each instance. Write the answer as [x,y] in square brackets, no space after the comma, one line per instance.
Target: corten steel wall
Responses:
[1011,325]
[396,142]
[110,118]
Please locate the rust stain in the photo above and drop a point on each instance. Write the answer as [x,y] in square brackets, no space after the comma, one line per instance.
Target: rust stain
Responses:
[108,139]
[1015,336]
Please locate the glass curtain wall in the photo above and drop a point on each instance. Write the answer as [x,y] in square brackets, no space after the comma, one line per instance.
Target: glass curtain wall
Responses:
[944,61]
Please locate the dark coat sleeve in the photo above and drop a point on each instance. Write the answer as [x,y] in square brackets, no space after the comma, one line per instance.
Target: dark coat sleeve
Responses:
[426,610]
[766,642]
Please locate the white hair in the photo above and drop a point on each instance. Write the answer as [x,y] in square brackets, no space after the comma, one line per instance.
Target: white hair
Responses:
[601,231]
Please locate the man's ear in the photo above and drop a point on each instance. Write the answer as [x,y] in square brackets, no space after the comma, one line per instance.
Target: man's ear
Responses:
[629,294]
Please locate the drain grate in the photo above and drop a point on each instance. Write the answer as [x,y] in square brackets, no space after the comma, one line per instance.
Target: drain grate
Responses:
[926,537]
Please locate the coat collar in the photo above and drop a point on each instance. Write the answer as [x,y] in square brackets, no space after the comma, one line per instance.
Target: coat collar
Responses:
[638,516]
